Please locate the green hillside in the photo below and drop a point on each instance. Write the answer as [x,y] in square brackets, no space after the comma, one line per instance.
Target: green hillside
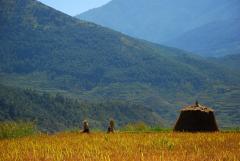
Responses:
[56,112]
[51,52]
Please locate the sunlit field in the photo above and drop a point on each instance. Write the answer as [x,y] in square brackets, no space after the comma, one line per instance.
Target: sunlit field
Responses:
[123,146]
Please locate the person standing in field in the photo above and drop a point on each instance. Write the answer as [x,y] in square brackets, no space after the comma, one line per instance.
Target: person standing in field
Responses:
[111,126]
[85,127]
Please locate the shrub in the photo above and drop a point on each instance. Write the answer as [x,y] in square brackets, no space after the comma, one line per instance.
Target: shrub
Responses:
[139,126]
[143,127]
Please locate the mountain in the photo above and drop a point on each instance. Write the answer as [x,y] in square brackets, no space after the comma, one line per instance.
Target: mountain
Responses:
[216,39]
[48,51]
[230,61]
[169,22]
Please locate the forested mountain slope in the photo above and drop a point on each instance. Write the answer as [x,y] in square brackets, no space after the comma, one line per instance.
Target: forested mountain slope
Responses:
[55,112]
[49,51]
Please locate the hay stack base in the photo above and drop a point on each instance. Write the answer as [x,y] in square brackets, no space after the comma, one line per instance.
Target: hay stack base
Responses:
[196,118]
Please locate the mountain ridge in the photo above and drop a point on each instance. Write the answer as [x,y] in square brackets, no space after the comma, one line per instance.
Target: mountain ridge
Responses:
[165,21]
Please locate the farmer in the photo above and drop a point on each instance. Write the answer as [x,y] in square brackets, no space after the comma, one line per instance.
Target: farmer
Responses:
[196,103]
[85,127]
[111,127]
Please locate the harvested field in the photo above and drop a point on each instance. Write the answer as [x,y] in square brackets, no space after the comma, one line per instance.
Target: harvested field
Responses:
[123,146]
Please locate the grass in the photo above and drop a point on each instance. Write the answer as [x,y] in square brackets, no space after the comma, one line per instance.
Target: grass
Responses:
[143,127]
[16,129]
[123,146]
[232,129]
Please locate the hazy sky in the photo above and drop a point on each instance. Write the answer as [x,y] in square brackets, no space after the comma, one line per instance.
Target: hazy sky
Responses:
[74,7]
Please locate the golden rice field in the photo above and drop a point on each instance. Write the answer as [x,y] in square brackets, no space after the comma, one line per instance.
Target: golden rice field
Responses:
[123,147]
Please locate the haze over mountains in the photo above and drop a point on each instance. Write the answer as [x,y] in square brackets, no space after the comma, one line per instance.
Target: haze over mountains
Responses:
[50,52]
[207,27]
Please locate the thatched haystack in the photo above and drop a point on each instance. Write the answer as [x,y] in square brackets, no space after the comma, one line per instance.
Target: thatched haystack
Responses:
[196,118]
